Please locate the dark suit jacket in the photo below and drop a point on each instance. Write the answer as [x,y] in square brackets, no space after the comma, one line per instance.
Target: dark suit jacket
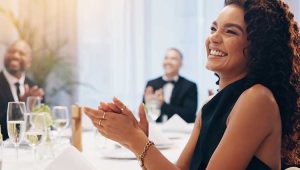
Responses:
[184,99]
[5,97]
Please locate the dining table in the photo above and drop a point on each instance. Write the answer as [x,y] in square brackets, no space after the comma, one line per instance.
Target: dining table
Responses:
[101,153]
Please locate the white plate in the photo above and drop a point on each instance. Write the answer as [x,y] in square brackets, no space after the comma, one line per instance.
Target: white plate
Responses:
[175,135]
[122,153]
[187,129]
[164,146]
[117,153]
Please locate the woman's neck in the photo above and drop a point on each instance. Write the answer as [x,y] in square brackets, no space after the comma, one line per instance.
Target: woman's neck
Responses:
[226,80]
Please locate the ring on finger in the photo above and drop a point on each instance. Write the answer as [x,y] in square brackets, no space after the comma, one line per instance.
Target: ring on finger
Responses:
[103,116]
[100,121]
[104,134]
[122,109]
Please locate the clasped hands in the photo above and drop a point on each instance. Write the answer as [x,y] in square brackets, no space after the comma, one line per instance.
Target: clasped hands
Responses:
[116,122]
[150,94]
[32,91]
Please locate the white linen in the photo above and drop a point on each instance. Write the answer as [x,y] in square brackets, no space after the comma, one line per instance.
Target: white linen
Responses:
[70,158]
[92,155]
[177,124]
[157,136]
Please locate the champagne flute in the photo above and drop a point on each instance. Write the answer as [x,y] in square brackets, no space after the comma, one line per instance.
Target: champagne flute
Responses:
[35,130]
[16,123]
[153,108]
[60,116]
[32,102]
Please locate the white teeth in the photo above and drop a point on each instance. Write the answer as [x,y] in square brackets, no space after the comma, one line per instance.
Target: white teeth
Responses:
[217,53]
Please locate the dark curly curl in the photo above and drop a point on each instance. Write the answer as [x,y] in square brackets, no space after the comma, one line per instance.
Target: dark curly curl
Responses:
[274,61]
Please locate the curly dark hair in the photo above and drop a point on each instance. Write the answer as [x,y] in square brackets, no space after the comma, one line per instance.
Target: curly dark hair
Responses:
[274,61]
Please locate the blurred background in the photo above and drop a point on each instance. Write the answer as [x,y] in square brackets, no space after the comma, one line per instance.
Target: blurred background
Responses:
[86,51]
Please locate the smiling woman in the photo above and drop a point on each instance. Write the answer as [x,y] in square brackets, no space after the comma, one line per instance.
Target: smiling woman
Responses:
[225,45]
[253,121]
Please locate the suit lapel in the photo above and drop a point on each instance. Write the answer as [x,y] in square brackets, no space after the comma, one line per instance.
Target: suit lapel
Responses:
[160,83]
[4,86]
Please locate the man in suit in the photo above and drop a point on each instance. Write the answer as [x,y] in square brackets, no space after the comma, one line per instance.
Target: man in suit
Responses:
[176,94]
[14,84]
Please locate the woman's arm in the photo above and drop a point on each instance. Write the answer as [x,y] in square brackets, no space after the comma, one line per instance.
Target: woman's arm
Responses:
[184,161]
[123,128]
[155,160]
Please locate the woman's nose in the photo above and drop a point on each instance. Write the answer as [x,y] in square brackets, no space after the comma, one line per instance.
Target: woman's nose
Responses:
[215,37]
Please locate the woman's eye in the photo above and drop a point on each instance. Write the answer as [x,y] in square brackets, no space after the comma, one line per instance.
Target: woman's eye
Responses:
[231,32]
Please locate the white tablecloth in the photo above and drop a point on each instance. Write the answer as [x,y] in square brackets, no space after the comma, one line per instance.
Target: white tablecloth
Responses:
[93,154]
[92,151]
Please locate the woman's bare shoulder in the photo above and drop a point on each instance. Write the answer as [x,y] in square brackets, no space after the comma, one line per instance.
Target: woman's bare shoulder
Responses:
[259,101]
[259,94]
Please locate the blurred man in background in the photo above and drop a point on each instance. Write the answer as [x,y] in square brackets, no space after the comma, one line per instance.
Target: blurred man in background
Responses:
[176,94]
[14,84]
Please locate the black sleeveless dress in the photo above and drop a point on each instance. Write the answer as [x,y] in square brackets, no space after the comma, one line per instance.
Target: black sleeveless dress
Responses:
[213,126]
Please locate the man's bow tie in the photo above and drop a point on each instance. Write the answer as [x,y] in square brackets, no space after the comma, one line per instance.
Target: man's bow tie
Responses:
[169,81]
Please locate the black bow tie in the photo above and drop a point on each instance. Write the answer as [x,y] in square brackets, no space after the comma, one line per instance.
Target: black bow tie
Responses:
[169,81]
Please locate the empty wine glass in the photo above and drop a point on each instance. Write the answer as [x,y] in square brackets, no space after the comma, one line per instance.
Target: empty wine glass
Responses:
[33,102]
[60,116]
[16,123]
[35,130]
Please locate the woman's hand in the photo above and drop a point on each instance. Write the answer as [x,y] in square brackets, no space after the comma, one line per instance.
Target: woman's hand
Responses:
[116,122]
[116,107]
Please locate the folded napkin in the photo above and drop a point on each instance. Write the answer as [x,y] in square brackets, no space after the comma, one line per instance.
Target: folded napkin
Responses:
[157,136]
[70,158]
[293,168]
[177,124]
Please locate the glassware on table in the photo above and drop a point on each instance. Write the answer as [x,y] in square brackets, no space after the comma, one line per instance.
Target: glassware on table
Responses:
[35,130]
[16,123]
[153,108]
[60,116]
[33,102]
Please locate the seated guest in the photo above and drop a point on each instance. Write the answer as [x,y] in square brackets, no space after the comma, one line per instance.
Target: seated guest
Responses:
[14,84]
[253,121]
[176,94]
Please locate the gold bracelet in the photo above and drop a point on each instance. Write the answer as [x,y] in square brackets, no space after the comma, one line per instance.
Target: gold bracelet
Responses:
[141,156]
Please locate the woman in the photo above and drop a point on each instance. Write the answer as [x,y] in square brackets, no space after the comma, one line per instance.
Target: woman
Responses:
[253,121]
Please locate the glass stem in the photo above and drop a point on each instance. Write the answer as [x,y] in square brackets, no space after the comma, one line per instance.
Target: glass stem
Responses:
[34,153]
[17,151]
[34,157]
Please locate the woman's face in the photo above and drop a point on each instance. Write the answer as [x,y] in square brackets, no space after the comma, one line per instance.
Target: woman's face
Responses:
[226,43]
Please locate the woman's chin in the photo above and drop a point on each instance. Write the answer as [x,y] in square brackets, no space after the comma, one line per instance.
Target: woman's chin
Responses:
[211,67]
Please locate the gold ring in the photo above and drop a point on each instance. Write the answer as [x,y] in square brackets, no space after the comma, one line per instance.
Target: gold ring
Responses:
[103,116]
[104,134]
[122,109]
[99,123]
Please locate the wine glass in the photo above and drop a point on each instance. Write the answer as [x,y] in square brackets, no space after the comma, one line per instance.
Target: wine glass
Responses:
[16,123]
[60,116]
[35,130]
[32,102]
[153,108]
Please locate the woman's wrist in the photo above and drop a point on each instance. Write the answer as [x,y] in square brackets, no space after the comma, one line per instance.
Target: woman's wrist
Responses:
[137,142]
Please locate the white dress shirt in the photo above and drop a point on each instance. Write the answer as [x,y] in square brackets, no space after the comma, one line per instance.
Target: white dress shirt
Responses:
[11,81]
[168,88]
